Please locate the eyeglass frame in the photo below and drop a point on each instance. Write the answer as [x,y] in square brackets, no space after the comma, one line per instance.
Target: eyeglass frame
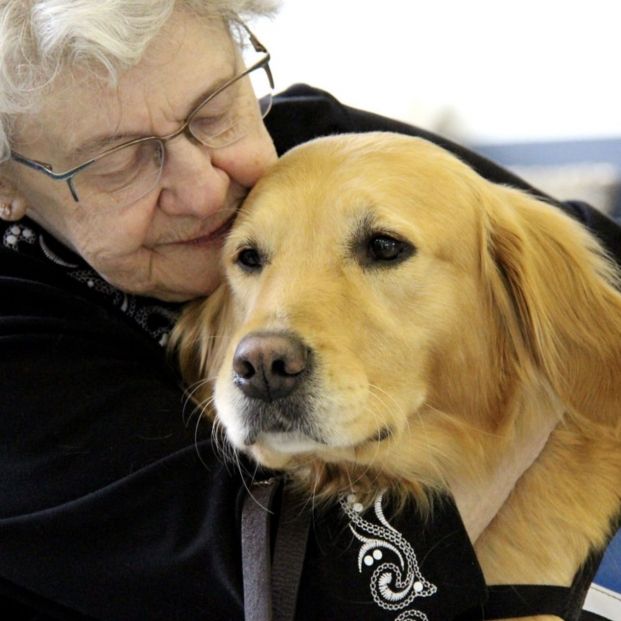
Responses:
[68,175]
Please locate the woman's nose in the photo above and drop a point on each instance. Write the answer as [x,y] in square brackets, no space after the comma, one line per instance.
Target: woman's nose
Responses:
[191,184]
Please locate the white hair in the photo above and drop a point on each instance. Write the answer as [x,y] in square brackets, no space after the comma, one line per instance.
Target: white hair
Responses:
[41,38]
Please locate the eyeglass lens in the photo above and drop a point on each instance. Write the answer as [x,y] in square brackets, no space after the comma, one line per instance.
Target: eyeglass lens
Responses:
[124,176]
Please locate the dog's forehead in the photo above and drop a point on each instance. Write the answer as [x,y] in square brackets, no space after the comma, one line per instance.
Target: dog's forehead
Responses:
[330,184]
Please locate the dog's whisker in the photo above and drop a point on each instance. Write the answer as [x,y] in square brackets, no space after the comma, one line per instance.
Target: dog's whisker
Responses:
[187,417]
[200,406]
[369,467]
[432,452]
[378,389]
[197,411]
[203,407]
[243,473]
[196,442]
[466,427]
[191,390]
[383,398]
[218,437]
[384,407]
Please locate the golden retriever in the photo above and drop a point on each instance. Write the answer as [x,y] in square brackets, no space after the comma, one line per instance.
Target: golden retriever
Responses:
[389,317]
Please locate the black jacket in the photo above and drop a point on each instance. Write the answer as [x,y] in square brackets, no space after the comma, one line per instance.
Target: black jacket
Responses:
[113,504]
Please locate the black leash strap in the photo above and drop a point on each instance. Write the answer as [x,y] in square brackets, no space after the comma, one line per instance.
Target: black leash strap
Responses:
[525,600]
[256,563]
[270,590]
[289,551]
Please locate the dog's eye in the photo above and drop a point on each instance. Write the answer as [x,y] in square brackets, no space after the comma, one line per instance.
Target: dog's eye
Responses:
[249,259]
[387,249]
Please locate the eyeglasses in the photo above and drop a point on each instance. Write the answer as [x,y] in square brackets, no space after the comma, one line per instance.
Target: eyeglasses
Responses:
[121,175]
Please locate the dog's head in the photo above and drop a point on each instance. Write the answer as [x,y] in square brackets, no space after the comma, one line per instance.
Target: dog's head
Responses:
[385,305]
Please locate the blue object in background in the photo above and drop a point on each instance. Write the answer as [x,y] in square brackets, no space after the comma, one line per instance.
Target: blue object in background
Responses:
[609,573]
[558,153]
[603,601]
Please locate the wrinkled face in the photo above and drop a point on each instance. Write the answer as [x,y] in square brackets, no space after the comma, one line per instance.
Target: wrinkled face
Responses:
[167,243]
[354,276]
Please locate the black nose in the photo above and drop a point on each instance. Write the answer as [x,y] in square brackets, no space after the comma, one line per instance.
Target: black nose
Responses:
[269,365]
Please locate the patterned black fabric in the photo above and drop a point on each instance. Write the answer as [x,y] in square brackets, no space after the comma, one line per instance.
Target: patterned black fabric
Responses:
[382,567]
[28,239]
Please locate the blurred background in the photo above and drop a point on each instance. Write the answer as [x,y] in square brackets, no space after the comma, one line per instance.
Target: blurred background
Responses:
[533,84]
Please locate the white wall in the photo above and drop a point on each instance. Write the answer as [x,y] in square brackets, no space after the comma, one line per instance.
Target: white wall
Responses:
[484,70]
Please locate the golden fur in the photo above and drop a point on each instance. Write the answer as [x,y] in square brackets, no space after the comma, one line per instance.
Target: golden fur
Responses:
[507,315]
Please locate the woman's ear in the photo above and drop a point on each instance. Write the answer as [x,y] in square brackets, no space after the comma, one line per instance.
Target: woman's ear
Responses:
[558,293]
[13,205]
[201,335]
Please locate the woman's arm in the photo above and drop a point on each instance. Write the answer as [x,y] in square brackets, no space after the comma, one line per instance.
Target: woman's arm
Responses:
[108,506]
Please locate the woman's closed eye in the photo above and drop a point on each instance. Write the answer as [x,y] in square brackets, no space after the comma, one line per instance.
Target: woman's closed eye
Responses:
[120,169]
[123,160]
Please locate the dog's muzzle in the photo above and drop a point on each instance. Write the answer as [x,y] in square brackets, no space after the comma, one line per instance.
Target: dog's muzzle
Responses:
[272,371]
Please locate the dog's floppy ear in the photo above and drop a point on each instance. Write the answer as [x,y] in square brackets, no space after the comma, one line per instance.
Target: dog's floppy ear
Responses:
[558,297]
[201,334]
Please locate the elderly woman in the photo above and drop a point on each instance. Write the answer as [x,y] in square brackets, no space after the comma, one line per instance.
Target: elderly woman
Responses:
[130,133]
